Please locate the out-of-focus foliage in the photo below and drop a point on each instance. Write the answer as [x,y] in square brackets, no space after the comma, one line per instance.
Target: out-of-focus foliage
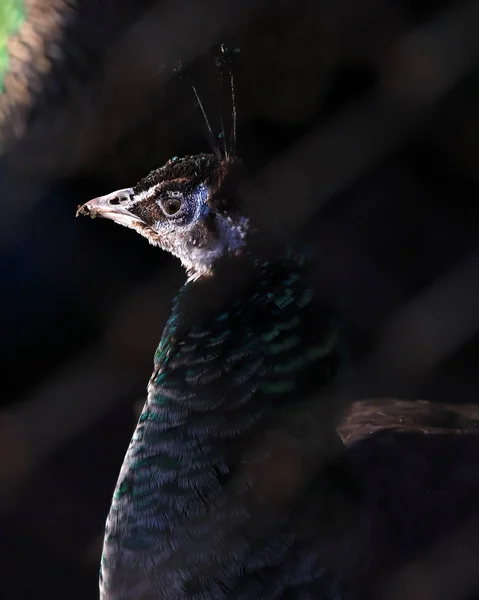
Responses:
[12,15]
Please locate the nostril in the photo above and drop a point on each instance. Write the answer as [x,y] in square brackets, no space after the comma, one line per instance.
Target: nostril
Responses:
[119,197]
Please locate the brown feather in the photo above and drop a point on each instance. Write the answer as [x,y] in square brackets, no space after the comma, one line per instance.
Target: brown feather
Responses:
[417,416]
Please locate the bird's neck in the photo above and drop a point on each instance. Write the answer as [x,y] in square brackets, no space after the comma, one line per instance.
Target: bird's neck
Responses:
[221,370]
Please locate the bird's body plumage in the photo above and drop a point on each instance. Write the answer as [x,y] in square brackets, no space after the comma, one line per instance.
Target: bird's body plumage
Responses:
[216,382]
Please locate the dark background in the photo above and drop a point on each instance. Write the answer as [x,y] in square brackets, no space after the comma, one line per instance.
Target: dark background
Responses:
[360,122]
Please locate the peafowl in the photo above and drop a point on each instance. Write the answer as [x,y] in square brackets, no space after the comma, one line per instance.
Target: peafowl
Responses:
[236,351]
[248,341]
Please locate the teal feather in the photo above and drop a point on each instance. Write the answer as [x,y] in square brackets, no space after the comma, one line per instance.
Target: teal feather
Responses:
[215,383]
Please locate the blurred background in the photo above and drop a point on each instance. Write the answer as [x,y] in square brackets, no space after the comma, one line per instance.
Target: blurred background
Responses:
[359,124]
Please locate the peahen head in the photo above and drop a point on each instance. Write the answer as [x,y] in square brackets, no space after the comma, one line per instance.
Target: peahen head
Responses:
[188,207]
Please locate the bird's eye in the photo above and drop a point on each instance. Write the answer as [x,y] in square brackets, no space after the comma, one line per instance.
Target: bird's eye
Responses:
[171,206]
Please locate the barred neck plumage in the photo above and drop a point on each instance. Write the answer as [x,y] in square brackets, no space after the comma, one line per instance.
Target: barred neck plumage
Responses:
[217,381]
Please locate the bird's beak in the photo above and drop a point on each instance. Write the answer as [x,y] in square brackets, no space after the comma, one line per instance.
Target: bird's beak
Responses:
[113,206]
